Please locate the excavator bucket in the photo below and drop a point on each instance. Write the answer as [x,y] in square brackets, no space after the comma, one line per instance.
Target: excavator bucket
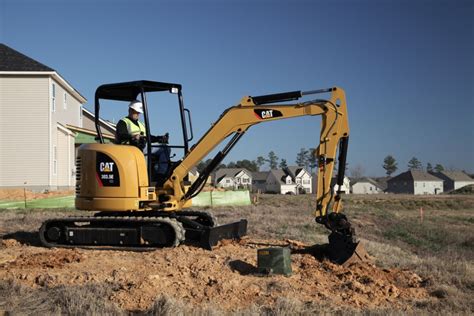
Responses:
[343,250]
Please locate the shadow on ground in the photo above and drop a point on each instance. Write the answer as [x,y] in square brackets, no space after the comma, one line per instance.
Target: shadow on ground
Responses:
[26,238]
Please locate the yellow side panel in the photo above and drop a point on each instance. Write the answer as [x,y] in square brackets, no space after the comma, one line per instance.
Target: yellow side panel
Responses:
[110,177]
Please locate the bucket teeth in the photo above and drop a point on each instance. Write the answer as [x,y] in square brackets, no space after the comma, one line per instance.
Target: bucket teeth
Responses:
[344,250]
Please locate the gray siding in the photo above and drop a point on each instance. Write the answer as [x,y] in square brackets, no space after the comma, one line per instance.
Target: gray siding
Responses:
[69,114]
[24,130]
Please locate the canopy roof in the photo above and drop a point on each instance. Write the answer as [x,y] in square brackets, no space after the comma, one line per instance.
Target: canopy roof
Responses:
[128,91]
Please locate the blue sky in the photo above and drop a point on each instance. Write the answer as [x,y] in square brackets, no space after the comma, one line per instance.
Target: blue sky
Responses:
[407,66]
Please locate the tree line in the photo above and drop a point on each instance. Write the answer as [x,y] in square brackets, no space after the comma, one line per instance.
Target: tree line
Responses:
[304,158]
[307,158]
[390,165]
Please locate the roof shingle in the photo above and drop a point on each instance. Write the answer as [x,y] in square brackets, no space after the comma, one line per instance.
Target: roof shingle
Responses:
[12,60]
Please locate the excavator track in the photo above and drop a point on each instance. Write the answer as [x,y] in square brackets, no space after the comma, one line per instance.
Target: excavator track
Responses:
[138,232]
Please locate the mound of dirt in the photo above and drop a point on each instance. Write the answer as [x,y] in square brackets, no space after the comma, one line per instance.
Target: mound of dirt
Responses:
[19,194]
[223,277]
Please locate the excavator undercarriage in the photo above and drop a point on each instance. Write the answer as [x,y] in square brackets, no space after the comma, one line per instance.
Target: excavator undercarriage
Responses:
[139,231]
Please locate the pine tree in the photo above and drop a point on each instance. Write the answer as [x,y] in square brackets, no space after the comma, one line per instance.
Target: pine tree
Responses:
[272,160]
[260,162]
[390,165]
[414,164]
[283,164]
[439,167]
[429,167]
[312,159]
[302,158]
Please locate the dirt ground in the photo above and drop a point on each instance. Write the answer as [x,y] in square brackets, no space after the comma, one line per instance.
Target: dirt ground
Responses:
[19,194]
[224,277]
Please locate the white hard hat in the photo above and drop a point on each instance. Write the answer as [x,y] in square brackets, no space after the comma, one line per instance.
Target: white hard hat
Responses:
[136,105]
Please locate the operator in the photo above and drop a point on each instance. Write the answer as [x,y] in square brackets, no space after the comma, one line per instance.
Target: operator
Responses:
[132,132]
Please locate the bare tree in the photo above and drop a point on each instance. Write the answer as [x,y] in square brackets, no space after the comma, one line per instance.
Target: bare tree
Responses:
[357,171]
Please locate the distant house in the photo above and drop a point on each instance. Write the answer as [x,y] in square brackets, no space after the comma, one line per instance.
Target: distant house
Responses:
[366,186]
[259,181]
[35,96]
[453,180]
[291,180]
[382,182]
[232,178]
[346,185]
[415,182]
[88,122]
[280,182]
[193,174]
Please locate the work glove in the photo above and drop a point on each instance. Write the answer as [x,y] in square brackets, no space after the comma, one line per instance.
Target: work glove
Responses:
[164,138]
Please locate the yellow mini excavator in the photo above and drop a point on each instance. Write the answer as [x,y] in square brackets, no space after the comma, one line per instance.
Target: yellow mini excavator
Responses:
[138,209]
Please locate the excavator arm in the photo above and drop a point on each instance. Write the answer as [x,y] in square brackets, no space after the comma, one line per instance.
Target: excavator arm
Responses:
[235,121]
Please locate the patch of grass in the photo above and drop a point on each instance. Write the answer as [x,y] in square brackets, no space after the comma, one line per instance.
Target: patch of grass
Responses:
[91,299]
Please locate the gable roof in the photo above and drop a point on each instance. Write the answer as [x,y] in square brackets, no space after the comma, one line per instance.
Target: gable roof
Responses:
[280,175]
[229,172]
[294,171]
[414,175]
[260,175]
[368,180]
[452,175]
[12,60]
[108,125]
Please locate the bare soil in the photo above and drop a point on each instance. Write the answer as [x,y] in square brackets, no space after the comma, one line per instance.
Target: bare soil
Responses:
[421,267]
[225,277]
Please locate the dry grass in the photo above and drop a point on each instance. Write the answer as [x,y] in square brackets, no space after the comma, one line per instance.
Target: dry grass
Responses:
[90,299]
[440,249]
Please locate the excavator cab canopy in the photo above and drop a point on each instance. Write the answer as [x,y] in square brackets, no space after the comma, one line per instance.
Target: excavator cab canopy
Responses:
[137,90]
[129,91]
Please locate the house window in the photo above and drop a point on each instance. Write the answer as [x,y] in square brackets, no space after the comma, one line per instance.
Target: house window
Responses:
[227,181]
[306,182]
[245,180]
[55,160]
[80,112]
[53,98]
[65,101]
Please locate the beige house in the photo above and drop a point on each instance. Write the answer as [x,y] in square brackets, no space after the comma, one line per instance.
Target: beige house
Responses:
[36,105]
[366,186]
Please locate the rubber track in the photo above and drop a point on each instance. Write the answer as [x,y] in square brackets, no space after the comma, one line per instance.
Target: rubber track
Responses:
[177,227]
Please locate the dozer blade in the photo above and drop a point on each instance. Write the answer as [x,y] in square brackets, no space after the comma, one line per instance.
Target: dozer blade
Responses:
[210,236]
[343,250]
